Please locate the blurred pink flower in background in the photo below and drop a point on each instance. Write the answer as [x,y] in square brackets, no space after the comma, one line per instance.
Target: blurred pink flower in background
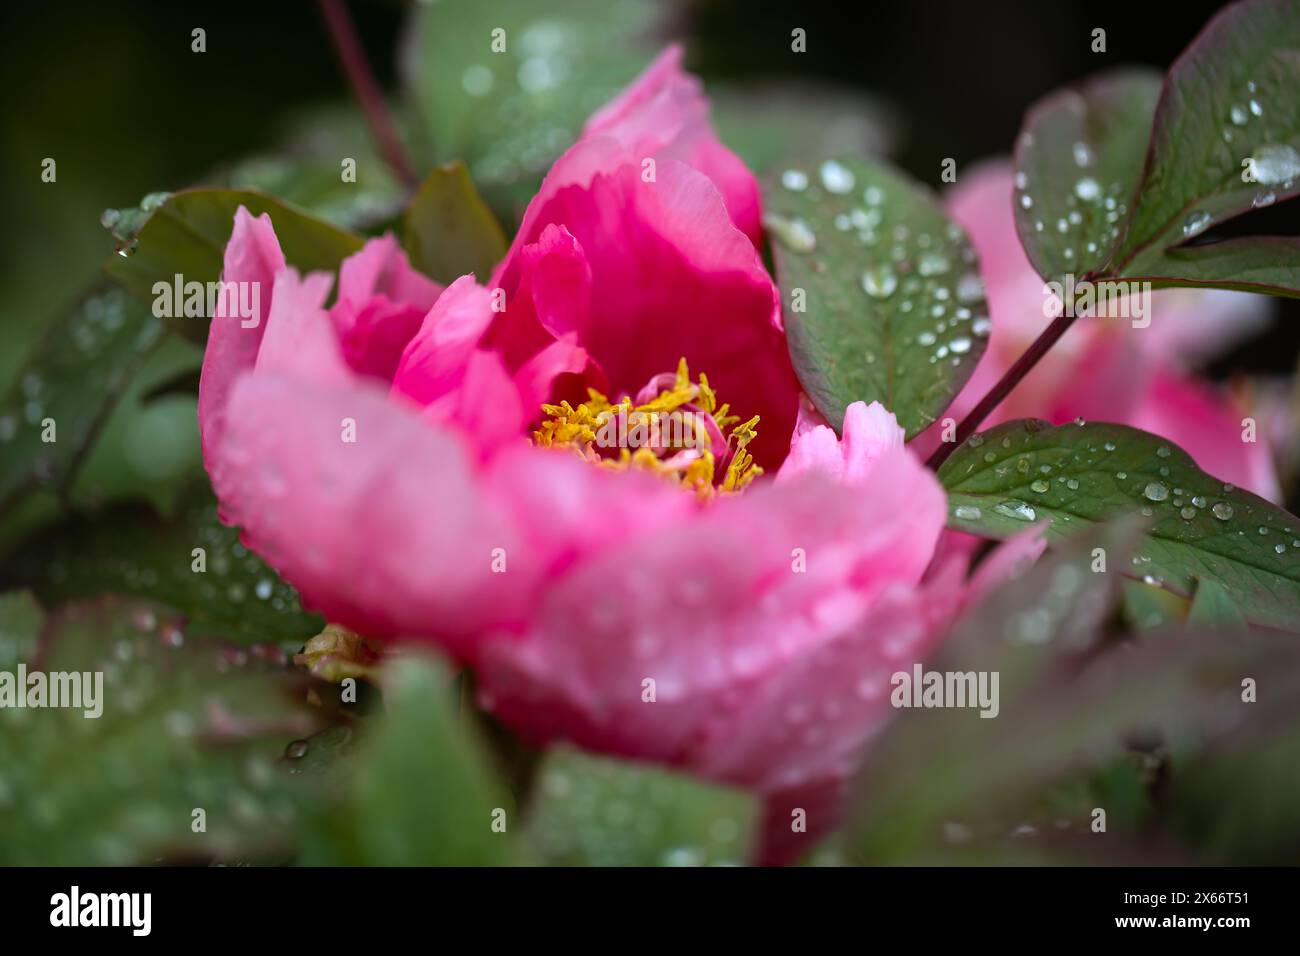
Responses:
[769,621]
[1105,369]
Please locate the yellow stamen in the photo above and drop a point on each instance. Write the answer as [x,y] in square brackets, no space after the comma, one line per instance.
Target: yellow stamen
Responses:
[692,463]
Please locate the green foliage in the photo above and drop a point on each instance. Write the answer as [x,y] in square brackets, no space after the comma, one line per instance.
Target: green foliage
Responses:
[1001,481]
[594,811]
[186,235]
[507,86]
[130,549]
[76,375]
[187,724]
[418,791]
[448,230]
[1224,138]
[1083,723]
[882,296]
[1078,161]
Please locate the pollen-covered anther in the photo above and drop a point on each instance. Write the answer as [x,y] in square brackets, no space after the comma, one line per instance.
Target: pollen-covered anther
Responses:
[673,427]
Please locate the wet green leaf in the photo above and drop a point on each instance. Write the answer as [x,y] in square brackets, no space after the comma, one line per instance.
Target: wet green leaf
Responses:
[418,791]
[511,109]
[882,295]
[187,233]
[186,725]
[1075,709]
[1078,161]
[597,811]
[68,387]
[130,549]
[1212,606]
[1003,480]
[771,125]
[1228,100]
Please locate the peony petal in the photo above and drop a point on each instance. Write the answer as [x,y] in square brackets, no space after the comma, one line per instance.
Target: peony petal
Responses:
[389,533]
[487,406]
[434,362]
[665,115]
[299,338]
[710,606]
[552,298]
[869,431]
[671,277]
[252,256]
[535,379]
[382,303]
[381,268]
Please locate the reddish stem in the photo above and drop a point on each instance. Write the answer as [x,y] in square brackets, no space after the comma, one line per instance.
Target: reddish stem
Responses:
[998,392]
[353,60]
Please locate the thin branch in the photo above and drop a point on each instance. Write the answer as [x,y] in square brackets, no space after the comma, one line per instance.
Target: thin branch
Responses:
[998,392]
[353,60]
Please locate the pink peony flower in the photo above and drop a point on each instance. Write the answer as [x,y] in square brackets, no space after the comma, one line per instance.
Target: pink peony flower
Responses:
[1105,369]
[424,464]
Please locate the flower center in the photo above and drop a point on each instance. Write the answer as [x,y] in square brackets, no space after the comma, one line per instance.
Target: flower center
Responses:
[674,427]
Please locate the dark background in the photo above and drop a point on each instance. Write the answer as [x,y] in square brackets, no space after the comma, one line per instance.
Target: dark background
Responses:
[111,89]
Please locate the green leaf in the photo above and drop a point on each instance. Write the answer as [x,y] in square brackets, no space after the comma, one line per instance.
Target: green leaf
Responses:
[952,766]
[21,619]
[76,375]
[1148,606]
[186,725]
[771,125]
[129,549]
[187,235]
[883,298]
[944,785]
[306,170]
[1238,800]
[597,811]
[510,114]
[1212,606]
[1227,102]
[1265,264]
[418,792]
[1002,480]
[447,229]
[1078,161]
